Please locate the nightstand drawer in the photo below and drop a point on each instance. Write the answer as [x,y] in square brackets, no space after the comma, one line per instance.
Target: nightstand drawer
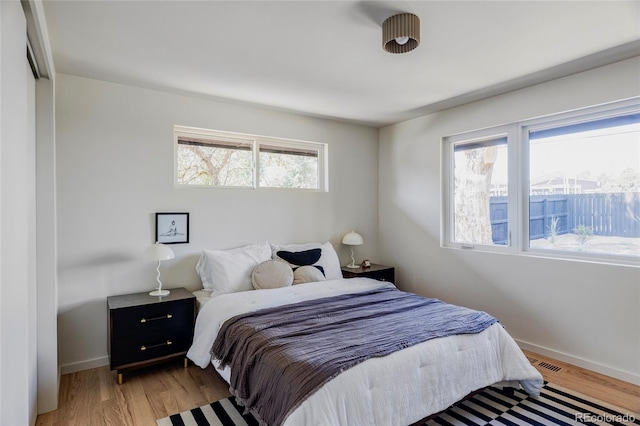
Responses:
[152,318]
[382,275]
[376,272]
[132,349]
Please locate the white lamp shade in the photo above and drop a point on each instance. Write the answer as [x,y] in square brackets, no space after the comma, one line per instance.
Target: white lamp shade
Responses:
[352,239]
[158,252]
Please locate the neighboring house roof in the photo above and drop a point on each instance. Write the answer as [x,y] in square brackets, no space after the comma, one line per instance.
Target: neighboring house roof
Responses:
[560,180]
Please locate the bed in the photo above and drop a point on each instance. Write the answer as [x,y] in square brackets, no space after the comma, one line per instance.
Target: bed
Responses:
[400,388]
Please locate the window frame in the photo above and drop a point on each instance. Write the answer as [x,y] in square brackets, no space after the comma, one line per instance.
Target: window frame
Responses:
[585,115]
[254,142]
[180,131]
[319,148]
[519,181]
[447,217]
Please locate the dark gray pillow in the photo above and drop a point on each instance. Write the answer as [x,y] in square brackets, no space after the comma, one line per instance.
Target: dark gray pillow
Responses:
[302,258]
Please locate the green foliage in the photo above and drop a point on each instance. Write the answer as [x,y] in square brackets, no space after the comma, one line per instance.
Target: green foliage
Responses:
[216,166]
[553,228]
[284,170]
[627,181]
[583,232]
[221,166]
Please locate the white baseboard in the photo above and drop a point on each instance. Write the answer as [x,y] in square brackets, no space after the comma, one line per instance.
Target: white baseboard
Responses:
[84,365]
[560,356]
[579,362]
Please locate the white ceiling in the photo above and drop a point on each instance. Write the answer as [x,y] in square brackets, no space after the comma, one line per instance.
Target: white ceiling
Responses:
[325,58]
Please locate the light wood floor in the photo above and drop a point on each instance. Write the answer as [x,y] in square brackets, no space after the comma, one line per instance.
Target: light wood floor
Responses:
[92,397]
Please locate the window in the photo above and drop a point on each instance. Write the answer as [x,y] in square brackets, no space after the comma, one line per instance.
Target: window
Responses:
[207,158]
[584,185]
[214,161]
[566,186]
[288,166]
[479,174]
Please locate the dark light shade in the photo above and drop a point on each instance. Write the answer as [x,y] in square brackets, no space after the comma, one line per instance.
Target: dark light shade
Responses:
[401,33]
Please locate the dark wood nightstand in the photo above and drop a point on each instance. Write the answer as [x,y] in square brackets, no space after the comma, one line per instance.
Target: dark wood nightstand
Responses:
[377,272]
[147,329]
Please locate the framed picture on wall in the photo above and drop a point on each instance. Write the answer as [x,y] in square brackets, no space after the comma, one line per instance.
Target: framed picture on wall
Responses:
[172,228]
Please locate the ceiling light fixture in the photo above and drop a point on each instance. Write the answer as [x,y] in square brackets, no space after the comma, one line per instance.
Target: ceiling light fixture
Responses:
[401,33]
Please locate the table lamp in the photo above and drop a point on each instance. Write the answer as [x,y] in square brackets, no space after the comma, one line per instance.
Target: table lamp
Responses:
[352,239]
[158,252]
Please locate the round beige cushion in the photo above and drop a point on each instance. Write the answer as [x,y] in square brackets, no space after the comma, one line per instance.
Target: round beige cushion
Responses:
[307,274]
[272,274]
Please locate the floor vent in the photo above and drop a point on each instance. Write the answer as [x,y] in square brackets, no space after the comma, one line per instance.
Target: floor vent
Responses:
[548,366]
[532,360]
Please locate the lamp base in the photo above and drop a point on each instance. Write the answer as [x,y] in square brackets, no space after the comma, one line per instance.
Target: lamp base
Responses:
[159,293]
[352,266]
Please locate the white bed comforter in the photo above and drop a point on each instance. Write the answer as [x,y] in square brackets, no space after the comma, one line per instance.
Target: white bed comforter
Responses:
[398,389]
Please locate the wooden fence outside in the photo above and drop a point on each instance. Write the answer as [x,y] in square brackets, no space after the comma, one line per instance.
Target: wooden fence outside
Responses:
[616,214]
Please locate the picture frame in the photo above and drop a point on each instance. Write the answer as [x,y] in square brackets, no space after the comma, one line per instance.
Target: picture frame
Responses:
[172,228]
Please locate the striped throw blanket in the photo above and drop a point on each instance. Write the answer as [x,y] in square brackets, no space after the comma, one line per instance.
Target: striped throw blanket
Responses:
[279,356]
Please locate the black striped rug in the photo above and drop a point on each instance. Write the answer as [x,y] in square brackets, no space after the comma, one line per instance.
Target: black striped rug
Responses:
[492,406]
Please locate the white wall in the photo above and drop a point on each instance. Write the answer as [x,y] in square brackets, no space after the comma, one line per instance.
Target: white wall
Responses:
[115,170]
[588,314]
[18,331]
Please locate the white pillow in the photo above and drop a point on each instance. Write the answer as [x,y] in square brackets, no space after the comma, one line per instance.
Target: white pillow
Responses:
[328,260]
[229,271]
[272,274]
[307,274]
